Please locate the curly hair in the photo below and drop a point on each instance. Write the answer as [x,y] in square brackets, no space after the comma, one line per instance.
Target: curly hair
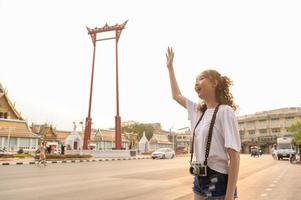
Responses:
[222,91]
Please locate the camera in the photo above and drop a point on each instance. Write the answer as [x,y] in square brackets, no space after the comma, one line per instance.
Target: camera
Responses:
[198,169]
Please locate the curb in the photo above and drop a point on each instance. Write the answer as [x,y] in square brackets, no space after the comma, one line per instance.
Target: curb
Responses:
[74,161]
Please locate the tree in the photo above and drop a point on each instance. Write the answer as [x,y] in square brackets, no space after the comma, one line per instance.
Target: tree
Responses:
[296,129]
[139,128]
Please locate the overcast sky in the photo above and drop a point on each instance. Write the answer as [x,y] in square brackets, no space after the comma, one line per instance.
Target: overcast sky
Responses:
[46,56]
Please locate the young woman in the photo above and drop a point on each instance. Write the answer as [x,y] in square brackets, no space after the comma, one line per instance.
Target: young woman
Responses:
[223,160]
[43,150]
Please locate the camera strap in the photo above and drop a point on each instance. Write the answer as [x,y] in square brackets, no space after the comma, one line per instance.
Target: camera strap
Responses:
[209,134]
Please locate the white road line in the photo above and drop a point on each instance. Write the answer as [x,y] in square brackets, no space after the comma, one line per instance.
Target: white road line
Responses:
[264,195]
[272,185]
[268,189]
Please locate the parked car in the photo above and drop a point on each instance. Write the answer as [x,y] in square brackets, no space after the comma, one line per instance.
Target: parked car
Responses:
[163,153]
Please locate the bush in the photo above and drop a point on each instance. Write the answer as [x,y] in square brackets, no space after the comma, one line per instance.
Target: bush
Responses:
[20,151]
[23,155]
[67,156]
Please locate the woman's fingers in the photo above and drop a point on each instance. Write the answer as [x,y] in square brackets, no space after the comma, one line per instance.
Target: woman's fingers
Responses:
[170,53]
[169,57]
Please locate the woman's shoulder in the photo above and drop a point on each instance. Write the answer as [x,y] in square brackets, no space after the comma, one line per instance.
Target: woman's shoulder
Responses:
[224,108]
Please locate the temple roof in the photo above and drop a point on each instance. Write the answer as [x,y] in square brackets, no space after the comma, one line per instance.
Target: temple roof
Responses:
[15,128]
[7,104]
[106,135]
[48,132]
[62,135]
[160,139]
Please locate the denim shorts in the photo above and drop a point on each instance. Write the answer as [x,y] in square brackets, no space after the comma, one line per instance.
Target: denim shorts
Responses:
[213,186]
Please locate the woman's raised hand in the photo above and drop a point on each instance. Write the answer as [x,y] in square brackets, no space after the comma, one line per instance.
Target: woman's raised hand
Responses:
[169,56]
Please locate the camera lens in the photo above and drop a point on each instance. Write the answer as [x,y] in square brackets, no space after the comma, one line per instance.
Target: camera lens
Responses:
[191,170]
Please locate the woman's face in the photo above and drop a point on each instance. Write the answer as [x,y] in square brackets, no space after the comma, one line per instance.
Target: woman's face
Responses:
[204,87]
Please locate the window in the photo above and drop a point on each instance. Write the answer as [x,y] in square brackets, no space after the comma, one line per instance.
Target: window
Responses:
[1,114]
[262,131]
[252,132]
[275,130]
[275,119]
[24,142]
[242,132]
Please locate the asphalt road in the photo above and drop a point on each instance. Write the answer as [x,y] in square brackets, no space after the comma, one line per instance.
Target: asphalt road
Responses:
[259,178]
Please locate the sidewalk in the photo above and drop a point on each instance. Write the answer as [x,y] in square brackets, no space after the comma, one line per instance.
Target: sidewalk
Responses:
[32,161]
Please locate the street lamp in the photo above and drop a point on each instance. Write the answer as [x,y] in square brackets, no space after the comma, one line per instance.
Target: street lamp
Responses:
[93,33]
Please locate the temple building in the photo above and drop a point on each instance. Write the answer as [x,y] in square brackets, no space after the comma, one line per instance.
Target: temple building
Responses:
[143,144]
[15,134]
[74,140]
[105,140]
[54,138]
[159,141]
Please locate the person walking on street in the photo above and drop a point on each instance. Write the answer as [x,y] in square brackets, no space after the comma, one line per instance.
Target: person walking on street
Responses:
[43,149]
[216,148]
[62,149]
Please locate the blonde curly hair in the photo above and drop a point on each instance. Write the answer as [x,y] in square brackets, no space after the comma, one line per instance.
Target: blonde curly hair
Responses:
[222,91]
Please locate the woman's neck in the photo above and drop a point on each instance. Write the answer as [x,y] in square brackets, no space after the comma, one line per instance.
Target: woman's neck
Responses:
[211,103]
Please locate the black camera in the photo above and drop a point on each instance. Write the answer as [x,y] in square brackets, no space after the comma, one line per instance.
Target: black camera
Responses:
[198,169]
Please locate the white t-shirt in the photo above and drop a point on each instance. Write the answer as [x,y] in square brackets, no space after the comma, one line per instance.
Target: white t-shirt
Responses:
[225,135]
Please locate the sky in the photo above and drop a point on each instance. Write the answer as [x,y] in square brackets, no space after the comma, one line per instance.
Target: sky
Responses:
[46,57]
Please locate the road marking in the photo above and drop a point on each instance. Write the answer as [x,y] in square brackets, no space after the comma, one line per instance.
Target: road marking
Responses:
[272,185]
[268,189]
[264,195]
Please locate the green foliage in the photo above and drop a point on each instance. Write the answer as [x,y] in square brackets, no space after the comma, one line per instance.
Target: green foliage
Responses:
[23,155]
[296,129]
[139,128]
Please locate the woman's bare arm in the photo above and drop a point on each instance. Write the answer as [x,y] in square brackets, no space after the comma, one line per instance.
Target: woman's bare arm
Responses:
[233,173]
[176,93]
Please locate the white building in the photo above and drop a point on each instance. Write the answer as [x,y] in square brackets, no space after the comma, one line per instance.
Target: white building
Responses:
[143,144]
[73,141]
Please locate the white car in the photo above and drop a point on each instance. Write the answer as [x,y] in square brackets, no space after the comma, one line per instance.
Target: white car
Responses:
[163,153]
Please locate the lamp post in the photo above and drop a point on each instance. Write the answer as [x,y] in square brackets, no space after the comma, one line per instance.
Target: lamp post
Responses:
[93,33]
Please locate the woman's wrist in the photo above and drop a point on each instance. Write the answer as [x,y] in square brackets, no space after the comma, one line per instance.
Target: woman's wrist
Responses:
[170,67]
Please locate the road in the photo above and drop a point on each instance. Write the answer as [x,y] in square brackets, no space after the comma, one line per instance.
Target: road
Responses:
[259,178]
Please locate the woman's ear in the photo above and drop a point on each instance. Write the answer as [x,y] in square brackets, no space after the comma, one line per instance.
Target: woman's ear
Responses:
[214,83]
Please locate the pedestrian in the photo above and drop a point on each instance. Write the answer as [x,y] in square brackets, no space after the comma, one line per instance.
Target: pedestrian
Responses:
[43,149]
[62,149]
[49,149]
[216,170]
